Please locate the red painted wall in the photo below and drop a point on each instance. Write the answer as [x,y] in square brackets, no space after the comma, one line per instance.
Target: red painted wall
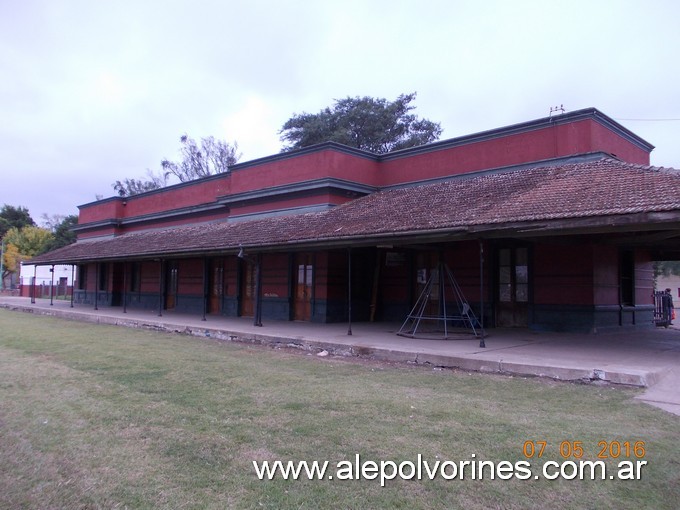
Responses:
[99,232]
[560,140]
[231,276]
[463,261]
[562,274]
[321,274]
[149,277]
[203,218]
[606,275]
[332,270]
[100,211]
[174,197]
[196,193]
[91,278]
[190,277]
[315,165]
[395,272]
[322,199]
[617,146]
[275,275]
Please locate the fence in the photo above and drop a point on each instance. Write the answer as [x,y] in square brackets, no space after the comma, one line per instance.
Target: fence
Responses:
[59,290]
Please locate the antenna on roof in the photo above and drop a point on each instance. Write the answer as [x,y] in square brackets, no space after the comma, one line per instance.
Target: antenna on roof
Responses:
[554,109]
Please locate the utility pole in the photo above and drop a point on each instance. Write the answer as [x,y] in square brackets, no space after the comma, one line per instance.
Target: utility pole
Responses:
[2,267]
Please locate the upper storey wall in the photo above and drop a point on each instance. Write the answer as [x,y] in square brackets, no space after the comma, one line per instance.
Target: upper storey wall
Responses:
[499,149]
[331,162]
[310,176]
[191,194]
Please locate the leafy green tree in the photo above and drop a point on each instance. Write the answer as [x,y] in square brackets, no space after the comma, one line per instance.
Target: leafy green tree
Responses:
[23,244]
[667,268]
[367,123]
[14,217]
[10,261]
[61,228]
[30,241]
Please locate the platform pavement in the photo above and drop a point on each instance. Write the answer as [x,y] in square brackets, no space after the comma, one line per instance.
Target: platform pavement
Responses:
[648,359]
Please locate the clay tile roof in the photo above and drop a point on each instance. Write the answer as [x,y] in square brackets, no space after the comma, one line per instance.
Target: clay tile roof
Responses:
[598,188]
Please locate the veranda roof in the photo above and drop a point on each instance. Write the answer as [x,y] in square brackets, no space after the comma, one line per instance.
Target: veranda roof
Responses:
[598,195]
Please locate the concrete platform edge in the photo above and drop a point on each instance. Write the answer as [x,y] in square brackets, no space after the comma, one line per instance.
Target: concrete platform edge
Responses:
[639,378]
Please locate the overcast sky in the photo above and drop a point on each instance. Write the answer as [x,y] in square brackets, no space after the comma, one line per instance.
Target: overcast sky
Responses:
[92,91]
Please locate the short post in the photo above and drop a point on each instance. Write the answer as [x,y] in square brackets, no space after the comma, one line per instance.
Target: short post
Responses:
[35,269]
[52,286]
[73,283]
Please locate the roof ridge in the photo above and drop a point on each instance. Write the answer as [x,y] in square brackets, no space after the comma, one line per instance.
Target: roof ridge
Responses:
[653,168]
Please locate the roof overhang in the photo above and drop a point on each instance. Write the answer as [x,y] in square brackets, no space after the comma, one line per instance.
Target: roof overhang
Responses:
[652,229]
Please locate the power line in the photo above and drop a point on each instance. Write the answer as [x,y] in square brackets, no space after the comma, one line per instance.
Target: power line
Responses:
[651,120]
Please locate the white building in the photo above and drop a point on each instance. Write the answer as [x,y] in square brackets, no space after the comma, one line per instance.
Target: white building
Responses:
[669,282]
[63,274]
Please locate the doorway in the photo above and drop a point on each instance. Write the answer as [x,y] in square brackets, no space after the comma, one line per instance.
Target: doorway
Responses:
[216,286]
[303,269]
[248,287]
[171,286]
[512,288]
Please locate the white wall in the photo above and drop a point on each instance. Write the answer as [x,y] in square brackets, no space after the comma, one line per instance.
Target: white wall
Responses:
[43,275]
[669,282]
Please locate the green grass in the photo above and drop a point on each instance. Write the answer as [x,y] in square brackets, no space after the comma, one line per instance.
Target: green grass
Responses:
[105,417]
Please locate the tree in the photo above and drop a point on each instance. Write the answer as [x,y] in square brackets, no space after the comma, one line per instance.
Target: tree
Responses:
[23,244]
[10,262]
[14,217]
[128,187]
[667,268]
[61,228]
[30,241]
[370,124]
[212,157]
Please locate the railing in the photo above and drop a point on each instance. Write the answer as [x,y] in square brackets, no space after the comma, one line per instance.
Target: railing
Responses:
[663,308]
[45,290]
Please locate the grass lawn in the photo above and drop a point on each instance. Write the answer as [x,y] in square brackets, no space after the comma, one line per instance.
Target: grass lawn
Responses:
[98,416]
